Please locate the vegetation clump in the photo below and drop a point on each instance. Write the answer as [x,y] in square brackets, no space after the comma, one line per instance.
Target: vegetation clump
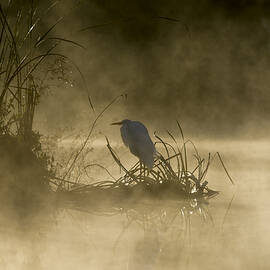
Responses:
[171,178]
[28,57]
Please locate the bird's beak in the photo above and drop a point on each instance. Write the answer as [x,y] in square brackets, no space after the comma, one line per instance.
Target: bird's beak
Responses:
[117,123]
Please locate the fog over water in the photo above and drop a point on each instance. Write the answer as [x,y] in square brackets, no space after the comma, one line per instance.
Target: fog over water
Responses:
[151,235]
[204,63]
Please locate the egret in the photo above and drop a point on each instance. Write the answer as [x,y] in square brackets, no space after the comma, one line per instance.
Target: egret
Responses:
[136,137]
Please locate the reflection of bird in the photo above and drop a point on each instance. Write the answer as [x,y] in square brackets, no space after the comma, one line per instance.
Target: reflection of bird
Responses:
[135,136]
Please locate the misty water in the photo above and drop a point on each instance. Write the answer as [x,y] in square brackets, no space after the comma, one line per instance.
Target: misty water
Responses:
[230,232]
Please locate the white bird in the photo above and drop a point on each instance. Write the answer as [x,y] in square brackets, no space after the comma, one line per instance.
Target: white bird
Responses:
[136,137]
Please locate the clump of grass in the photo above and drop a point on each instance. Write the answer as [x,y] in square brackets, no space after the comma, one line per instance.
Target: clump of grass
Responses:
[172,177]
[26,48]
[28,58]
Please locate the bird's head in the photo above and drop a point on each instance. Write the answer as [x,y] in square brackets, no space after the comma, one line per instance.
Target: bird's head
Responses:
[121,122]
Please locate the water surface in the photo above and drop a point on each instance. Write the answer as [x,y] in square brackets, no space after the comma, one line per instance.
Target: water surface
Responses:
[230,232]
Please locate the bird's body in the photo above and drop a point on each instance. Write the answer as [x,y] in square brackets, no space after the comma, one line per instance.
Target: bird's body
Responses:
[136,137]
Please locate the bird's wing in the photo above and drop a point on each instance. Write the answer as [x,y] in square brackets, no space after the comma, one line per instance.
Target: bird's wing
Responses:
[140,143]
[125,135]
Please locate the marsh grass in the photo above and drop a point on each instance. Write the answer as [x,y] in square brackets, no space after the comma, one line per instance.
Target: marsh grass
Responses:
[177,174]
[28,57]
[25,48]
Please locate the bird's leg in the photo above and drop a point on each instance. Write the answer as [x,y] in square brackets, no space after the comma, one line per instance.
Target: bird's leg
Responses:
[140,170]
[148,172]
[143,171]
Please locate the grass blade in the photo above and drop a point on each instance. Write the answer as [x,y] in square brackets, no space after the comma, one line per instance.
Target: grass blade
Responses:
[225,169]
